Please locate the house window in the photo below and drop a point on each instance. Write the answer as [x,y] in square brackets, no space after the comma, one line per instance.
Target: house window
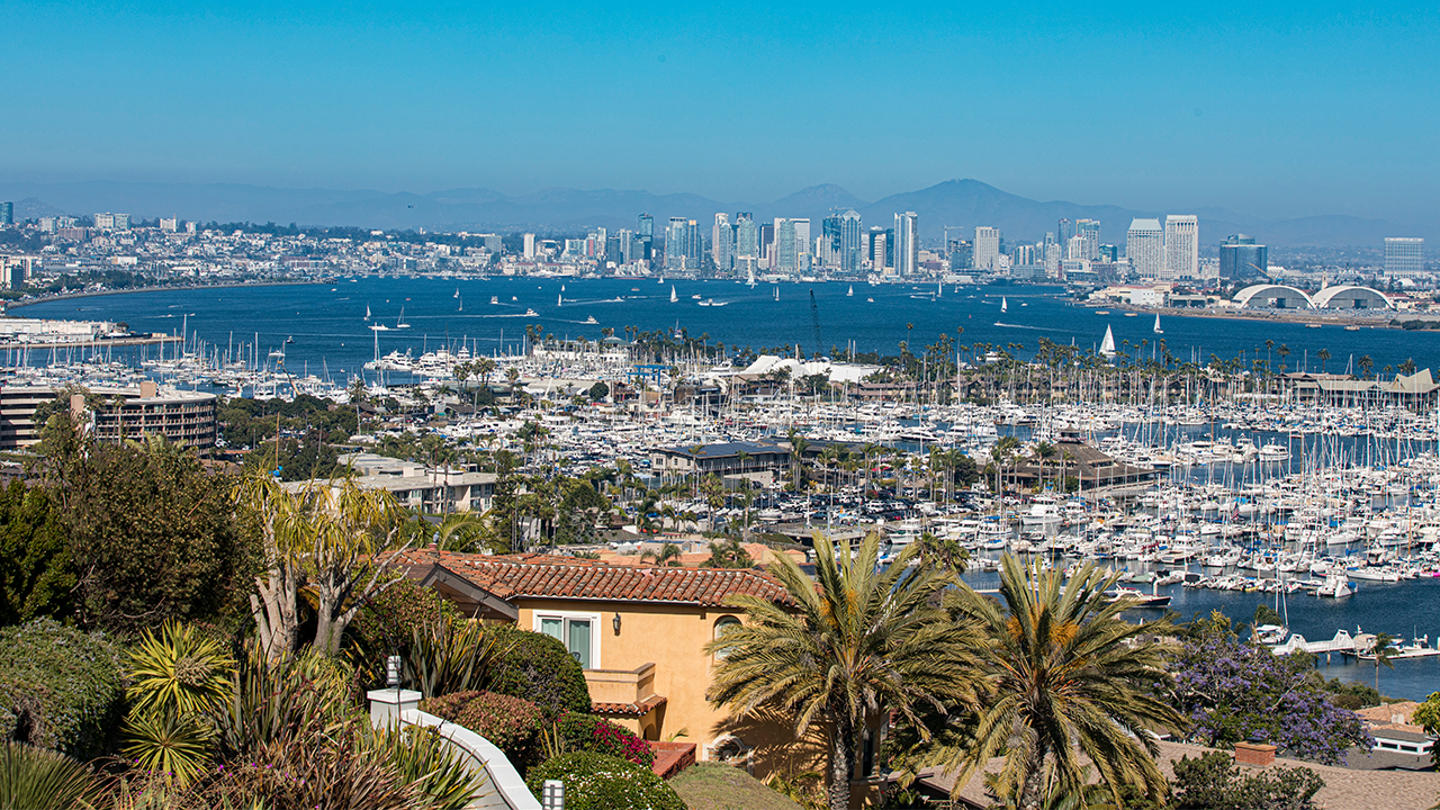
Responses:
[577,631]
[723,625]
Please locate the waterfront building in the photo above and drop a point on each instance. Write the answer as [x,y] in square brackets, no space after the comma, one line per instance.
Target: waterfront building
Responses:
[683,245]
[1241,258]
[1075,249]
[1404,257]
[185,418]
[987,247]
[879,250]
[529,246]
[786,250]
[907,243]
[722,243]
[646,230]
[841,238]
[15,271]
[1145,247]
[1089,232]
[1182,246]
[747,237]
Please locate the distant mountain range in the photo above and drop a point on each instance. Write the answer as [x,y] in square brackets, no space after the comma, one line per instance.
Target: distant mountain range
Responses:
[964,203]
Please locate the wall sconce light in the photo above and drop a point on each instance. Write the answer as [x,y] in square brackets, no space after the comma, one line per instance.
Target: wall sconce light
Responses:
[615,623]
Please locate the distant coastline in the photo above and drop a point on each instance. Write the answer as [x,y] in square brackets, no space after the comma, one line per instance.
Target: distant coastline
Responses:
[1297,316]
[95,293]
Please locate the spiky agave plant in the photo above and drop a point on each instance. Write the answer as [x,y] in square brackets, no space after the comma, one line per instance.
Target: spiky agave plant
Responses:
[179,680]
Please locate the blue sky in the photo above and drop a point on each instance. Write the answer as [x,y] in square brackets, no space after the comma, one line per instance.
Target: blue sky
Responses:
[1273,109]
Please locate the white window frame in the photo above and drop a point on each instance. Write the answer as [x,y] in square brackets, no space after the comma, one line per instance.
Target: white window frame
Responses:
[565,616]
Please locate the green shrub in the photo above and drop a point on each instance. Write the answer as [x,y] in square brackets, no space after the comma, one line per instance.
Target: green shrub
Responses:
[538,668]
[1212,782]
[586,732]
[511,723]
[599,782]
[60,688]
[384,624]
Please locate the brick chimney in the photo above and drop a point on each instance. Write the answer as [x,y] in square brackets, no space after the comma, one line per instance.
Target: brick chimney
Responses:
[1261,755]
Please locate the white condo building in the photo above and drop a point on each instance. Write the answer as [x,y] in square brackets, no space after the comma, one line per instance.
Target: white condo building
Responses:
[907,243]
[987,247]
[1145,247]
[722,242]
[1182,246]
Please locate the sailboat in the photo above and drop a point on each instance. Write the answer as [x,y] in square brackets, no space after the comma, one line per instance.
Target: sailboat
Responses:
[560,300]
[1004,305]
[367,312]
[939,288]
[777,293]
[1107,346]
[401,324]
[462,305]
[850,292]
[1158,330]
[457,292]
[673,296]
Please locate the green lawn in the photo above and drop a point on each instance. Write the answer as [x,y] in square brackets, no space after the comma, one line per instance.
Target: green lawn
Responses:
[712,786]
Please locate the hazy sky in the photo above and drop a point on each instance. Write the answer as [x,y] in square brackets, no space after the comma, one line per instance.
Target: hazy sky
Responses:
[1273,109]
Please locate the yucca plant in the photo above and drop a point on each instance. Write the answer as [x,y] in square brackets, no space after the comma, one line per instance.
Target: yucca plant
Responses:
[181,670]
[167,744]
[36,779]
[454,657]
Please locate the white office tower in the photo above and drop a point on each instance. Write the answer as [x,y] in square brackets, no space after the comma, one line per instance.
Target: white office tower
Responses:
[1182,246]
[1145,248]
[747,237]
[1404,257]
[1089,231]
[722,243]
[987,247]
[907,243]
[1075,248]
[529,246]
[802,244]
[879,247]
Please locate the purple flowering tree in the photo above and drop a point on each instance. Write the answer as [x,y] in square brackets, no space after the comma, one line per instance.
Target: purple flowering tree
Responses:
[1234,691]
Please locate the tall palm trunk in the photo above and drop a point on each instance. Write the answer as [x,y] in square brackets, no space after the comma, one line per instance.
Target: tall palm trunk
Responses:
[1032,792]
[842,759]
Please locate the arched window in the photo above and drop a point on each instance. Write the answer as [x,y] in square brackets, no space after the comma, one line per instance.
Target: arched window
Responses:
[723,625]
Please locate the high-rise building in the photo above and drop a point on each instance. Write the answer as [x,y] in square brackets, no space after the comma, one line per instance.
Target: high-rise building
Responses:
[1075,248]
[529,246]
[169,224]
[880,245]
[907,243]
[1241,258]
[7,213]
[1089,231]
[1064,229]
[787,252]
[987,247]
[841,237]
[105,222]
[1145,248]
[747,236]
[722,243]
[1182,246]
[1404,257]
[646,234]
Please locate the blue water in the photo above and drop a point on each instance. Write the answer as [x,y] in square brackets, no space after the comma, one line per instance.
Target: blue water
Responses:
[1404,609]
[328,326]
[327,321]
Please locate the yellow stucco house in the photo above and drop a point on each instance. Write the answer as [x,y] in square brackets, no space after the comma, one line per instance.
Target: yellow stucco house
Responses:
[639,632]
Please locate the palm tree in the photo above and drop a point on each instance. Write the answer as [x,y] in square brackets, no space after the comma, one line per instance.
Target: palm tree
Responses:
[1065,676]
[1383,650]
[668,555]
[853,643]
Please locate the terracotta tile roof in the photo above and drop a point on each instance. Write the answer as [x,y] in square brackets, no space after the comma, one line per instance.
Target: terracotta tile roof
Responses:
[536,575]
[637,709]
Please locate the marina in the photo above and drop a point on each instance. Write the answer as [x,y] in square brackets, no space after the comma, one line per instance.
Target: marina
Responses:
[1202,488]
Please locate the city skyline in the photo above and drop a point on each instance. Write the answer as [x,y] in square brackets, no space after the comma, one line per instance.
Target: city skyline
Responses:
[1277,111]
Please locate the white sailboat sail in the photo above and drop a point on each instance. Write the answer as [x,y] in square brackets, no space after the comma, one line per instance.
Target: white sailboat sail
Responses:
[673,296]
[850,292]
[1158,330]
[1004,305]
[367,312]
[1107,346]
[400,323]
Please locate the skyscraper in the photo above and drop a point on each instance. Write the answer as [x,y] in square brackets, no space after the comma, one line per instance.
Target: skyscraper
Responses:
[907,243]
[987,247]
[786,252]
[7,213]
[722,243]
[529,246]
[1145,247]
[1241,258]
[1089,230]
[1065,229]
[675,247]
[880,244]
[1182,246]
[747,236]
[842,236]
[647,237]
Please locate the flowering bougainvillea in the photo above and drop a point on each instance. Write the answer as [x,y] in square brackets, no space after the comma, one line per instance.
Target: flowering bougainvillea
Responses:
[1234,691]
